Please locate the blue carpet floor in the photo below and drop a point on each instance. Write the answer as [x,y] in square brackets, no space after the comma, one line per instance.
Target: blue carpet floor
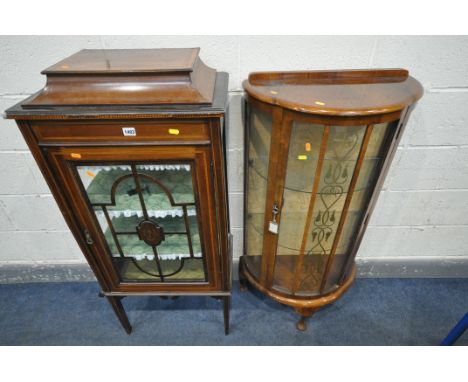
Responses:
[372,312]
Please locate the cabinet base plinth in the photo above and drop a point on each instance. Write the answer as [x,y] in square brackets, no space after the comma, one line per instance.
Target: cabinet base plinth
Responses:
[305,307]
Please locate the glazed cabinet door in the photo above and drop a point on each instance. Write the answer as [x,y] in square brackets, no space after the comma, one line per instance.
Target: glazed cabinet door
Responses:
[330,175]
[308,185]
[146,214]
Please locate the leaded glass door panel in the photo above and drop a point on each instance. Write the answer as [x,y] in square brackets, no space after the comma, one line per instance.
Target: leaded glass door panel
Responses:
[330,173]
[150,214]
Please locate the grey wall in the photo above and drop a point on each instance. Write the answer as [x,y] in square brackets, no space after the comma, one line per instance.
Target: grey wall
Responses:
[421,214]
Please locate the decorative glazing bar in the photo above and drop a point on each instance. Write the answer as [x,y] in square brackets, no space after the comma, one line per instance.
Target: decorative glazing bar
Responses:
[352,185]
[318,171]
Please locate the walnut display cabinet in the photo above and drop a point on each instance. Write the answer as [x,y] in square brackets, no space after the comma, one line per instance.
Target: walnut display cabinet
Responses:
[131,143]
[318,146]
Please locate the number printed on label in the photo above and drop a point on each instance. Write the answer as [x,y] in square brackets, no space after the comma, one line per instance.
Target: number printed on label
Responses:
[129,131]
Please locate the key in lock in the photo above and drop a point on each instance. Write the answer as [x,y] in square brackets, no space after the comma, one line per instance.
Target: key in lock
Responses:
[273,226]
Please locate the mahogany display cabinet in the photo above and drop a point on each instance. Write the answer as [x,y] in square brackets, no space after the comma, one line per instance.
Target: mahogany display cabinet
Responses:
[318,145]
[131,144]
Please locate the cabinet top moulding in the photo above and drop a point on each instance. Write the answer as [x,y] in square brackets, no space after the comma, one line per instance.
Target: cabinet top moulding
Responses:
[336,93]
[127,83]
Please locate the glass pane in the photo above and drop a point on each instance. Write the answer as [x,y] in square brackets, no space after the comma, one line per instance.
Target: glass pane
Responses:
[195,234]
[302,164]
[365,185]
[340,157]
[259,130]
[98,181]
[148,216]
[175,177]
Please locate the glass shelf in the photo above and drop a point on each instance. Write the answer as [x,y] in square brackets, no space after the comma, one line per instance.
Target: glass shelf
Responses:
[144,270]
[369,166]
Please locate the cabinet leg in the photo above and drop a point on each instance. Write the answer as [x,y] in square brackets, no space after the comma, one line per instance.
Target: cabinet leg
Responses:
[242,279]
[301,324]
[226,308]
[304,313]
[120,312]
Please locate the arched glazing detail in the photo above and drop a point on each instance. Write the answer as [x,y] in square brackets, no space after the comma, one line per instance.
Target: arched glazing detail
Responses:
[148,216]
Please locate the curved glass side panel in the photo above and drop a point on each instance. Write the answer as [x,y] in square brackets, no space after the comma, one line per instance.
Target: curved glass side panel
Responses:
[370,169]
[259,140]
[148,216]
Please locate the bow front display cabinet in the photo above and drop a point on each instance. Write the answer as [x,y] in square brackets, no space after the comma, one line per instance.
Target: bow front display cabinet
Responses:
[317,148]
[131,143]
